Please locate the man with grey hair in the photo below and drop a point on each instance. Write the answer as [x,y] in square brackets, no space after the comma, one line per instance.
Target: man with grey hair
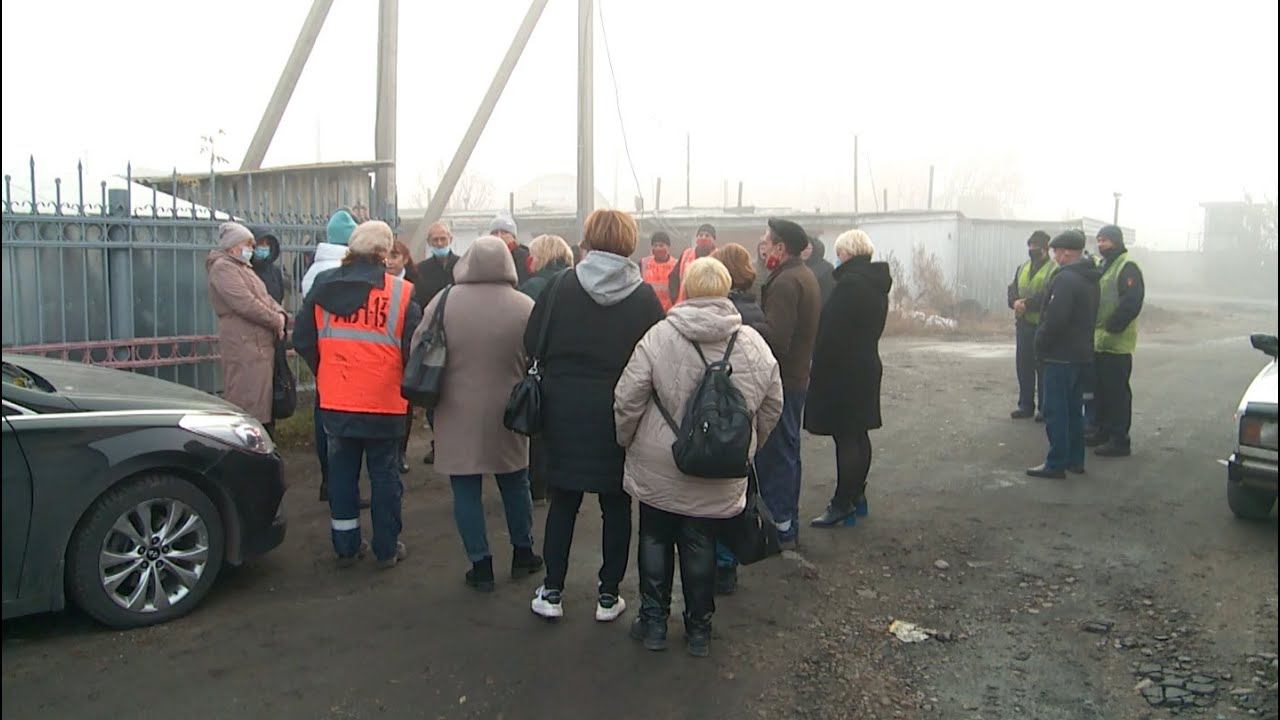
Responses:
[503,227]
[354,331]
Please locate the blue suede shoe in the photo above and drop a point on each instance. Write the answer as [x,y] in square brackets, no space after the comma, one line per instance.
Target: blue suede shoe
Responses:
[861,508]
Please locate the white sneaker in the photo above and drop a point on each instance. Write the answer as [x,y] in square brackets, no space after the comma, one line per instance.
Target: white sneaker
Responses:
[546,603]
[609,607]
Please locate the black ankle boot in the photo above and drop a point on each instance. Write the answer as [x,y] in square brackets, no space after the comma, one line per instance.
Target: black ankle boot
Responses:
[524,562]
[651,632]
[480,576]
[697,636]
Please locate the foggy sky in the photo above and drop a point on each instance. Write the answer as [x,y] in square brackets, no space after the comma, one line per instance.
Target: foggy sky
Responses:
[1170,105]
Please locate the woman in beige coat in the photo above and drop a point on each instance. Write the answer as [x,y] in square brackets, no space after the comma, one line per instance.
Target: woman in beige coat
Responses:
[484,321]
[678,512]
[249,322]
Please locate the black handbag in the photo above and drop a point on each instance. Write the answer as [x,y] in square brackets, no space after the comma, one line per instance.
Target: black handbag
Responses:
[751,535]
[424,373]
[523,414]
[284,386]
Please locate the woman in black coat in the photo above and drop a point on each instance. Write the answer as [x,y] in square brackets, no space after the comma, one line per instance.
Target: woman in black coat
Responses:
[844,386]
[598,312]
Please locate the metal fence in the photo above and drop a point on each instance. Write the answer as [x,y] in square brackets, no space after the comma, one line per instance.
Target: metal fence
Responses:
[123,284]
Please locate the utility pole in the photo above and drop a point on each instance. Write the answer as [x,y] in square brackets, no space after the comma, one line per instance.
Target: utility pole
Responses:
[270,121]
[586,116]
[1115,215]
[930,205]
[459,163]
[855,174]
[886,199]
[384,141]
[657,196]
[687,165]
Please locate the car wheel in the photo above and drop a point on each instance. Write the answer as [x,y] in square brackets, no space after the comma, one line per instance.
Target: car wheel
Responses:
[147,552]
[1249,503]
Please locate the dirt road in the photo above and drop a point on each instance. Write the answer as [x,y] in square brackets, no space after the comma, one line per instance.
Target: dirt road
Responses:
[1051,599]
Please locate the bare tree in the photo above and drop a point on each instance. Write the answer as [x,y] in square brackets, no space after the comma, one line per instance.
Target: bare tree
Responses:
[471,193]
[984,187]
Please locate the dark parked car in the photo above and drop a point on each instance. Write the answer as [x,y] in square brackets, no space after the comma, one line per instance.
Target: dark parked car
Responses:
[127,493]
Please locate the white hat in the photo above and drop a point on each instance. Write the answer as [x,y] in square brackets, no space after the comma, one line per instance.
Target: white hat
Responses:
[371,237]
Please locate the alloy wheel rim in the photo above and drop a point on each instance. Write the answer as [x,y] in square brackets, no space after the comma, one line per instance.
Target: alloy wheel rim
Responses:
[154,555]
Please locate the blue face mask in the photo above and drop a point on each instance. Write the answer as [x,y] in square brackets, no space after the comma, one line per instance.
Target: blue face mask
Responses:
[261,253]
[441,253]
[246,254]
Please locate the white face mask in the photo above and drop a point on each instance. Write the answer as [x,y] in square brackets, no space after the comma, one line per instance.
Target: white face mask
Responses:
[246,254]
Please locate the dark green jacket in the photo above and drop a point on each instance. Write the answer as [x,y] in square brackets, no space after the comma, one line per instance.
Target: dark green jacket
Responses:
[534,286]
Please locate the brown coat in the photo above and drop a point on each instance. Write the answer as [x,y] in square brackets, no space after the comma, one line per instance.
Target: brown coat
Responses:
[792,303]
[249,321]
[484,321]
[666,362]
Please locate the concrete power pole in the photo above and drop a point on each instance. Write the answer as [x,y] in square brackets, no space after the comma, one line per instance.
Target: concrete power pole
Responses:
[855,174]
[586,115]
[270,121]
[1115,214]
[687,164]
[384,134]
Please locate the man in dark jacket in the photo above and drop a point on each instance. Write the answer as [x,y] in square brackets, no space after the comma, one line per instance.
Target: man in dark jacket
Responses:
[815,256]
[1026,296]
[1115,339]
[435,273]
[266,262]
[358,386]
[792,304]
[503,227]
[1064,345]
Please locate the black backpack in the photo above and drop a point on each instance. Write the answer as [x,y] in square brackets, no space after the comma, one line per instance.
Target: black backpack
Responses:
[713,439]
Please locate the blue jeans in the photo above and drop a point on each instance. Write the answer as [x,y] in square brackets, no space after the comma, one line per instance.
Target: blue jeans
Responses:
[382,459]
[468,511]
[778,462]
[1064,415]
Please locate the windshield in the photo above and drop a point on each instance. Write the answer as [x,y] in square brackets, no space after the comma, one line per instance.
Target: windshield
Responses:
[19,377]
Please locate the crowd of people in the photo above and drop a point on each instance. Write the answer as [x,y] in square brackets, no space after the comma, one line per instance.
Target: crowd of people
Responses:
[621,346]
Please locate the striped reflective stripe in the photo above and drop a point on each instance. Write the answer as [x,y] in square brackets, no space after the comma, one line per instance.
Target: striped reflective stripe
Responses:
[343,525]
[390,337]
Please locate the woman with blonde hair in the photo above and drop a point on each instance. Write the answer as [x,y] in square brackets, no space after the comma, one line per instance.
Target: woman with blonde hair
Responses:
[844,386]
[549,255]
[678,513]
[594,316]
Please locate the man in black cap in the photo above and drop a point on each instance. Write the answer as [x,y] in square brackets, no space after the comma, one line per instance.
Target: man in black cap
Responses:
[1026,296]
[704,243]
[1064,345]
[792,303]
[1115,339]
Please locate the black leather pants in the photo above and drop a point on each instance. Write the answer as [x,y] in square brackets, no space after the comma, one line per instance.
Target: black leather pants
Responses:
[661,535]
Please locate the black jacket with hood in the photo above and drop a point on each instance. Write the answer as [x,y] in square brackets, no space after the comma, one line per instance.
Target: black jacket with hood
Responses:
[342,291]
[844,386]
[822,269]
[269,270]
[1065,333]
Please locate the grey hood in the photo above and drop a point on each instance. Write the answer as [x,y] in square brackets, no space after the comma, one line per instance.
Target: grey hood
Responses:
[705,320]
[608,279]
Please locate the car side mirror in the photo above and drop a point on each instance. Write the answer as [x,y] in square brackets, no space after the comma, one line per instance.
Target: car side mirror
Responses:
[1263,342]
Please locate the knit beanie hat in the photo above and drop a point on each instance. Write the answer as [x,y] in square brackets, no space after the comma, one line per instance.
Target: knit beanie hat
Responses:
[341,225]
[1039,238]
[707,228]
[1112,233]
[502,221]
[231,234]
[370,238]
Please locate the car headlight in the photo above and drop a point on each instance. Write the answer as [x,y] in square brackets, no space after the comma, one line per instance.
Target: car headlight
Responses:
[238,431]
[1258,432]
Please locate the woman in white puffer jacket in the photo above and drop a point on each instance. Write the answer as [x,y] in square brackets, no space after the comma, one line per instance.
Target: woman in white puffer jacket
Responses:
[679,512]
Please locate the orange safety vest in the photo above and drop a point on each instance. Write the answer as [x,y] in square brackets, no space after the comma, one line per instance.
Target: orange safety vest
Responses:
[686,259]
[658,275]
[360,361]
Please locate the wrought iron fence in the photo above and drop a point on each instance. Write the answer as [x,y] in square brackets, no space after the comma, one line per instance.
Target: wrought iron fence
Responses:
[123,284]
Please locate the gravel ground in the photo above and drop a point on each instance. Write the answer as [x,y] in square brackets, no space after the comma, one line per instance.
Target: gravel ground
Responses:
[1130,592]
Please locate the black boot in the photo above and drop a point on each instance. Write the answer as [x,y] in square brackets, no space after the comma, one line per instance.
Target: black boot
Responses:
[480,576]
[324,491]
[833,516]
[524,562]
[697,635]
[430,459]
[652,632]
